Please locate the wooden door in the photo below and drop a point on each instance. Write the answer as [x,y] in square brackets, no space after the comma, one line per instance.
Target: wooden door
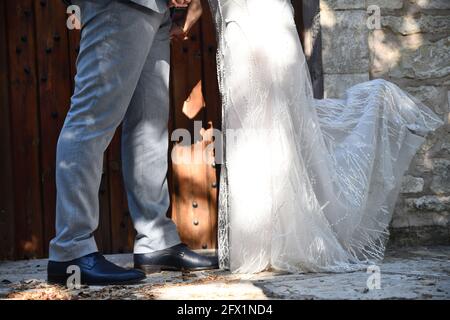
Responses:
[37,68]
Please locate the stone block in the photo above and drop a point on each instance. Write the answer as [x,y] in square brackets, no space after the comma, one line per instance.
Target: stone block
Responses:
[345,41]
[431,4]
[430,60]
[386,4]
[441,176]
[433,97]
[341,4]
[429,204]
[407,25]
[412,184]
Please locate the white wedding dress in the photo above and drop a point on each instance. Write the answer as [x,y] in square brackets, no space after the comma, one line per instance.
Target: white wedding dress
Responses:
[307,185]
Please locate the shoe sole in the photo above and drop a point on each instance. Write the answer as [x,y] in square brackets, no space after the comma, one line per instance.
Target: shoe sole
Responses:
[62,280]
[149,269]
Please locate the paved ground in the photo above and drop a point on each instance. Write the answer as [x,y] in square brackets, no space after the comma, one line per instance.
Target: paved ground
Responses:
[407,273]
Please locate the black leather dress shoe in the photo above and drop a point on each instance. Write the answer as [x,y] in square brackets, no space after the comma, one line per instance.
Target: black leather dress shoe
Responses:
[94,270]
[176,258]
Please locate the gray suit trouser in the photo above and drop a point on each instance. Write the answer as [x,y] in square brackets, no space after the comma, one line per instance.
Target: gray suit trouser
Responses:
[122,77]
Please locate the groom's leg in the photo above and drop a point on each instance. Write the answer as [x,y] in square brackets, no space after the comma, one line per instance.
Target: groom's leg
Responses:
[115,43]
[144,150]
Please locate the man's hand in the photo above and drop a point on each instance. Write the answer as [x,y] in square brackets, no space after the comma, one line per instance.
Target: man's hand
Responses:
[179,3]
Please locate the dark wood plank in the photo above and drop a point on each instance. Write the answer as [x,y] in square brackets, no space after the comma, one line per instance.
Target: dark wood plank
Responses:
[213,115]
[55,87]
[209,69]
[178,85]
[6,182]
[182,213]
[190,207]
[24,128]
[186,75]
[201,215]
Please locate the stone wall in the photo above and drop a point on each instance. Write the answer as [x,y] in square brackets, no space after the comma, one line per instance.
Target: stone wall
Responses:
[411,49]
